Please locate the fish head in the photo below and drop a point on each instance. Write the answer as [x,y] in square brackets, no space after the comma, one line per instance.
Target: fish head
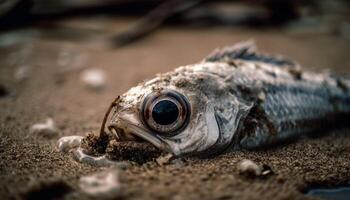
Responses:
[177,113]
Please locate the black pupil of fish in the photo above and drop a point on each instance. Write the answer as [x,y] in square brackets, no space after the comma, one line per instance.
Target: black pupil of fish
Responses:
[165,112]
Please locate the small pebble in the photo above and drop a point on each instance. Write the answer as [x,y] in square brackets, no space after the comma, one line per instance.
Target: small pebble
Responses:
[94,79]
[248,167]
[47,129]
[97,161]
[64,144]
[163,160]
[170,159]
[266,170]
[101,184]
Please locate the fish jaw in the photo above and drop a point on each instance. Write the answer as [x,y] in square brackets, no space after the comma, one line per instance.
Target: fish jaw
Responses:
[127,128]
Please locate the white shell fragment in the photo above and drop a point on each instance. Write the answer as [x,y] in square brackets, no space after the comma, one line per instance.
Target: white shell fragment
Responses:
[67,143]
[47,129]
[94,78]
[99,161]
[249,167]
[102,184]
[64,144]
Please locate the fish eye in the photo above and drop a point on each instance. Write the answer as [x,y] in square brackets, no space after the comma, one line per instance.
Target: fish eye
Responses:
[167,112]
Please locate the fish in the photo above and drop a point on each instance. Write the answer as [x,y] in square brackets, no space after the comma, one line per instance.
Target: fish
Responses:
[236,98]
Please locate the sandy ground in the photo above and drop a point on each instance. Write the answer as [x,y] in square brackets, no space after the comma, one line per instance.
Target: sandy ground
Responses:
[54,60]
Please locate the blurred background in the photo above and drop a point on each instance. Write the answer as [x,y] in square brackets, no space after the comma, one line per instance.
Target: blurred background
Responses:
[68,59]
[126,41]
[88,51]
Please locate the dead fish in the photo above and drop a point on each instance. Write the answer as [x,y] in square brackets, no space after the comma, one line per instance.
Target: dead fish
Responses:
[236,98]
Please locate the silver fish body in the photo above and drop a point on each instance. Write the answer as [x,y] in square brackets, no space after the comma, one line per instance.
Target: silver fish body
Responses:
[235,98]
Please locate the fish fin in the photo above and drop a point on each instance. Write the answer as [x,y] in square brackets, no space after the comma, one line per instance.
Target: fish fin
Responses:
[247,50]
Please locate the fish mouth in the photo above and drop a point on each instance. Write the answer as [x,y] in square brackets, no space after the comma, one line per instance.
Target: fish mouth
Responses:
[128,131]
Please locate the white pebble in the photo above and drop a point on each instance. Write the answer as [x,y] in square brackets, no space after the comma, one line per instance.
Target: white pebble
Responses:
[102,184]
[249,167]
[94,78]
[97,161]
[64,144]
[47,129]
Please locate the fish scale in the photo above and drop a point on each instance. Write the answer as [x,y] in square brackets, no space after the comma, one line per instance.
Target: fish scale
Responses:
[291,104]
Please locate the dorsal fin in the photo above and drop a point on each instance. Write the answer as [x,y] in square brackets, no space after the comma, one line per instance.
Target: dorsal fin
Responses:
[247,50]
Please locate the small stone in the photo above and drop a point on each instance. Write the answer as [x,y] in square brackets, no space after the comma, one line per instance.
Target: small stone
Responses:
[266,170]
[47,129]
[248,167]
[97,161]
[163,160]
[94,79]
[64,144]
[139,152]
[102,184]
[178,162]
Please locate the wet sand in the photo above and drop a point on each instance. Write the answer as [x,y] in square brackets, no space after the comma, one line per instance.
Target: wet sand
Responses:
[30,164]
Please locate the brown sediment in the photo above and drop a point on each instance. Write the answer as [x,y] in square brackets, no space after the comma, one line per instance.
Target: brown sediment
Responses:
[139,152]
[95,144]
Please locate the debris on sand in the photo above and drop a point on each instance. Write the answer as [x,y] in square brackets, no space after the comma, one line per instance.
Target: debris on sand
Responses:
[250,168]
[97,161]
[47,129]
[95,144]
[93,150]
[266,170]
[64,144]
[81,153]
[94,79]
[163,160]
[170,159]
[102,184]
[139,152]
